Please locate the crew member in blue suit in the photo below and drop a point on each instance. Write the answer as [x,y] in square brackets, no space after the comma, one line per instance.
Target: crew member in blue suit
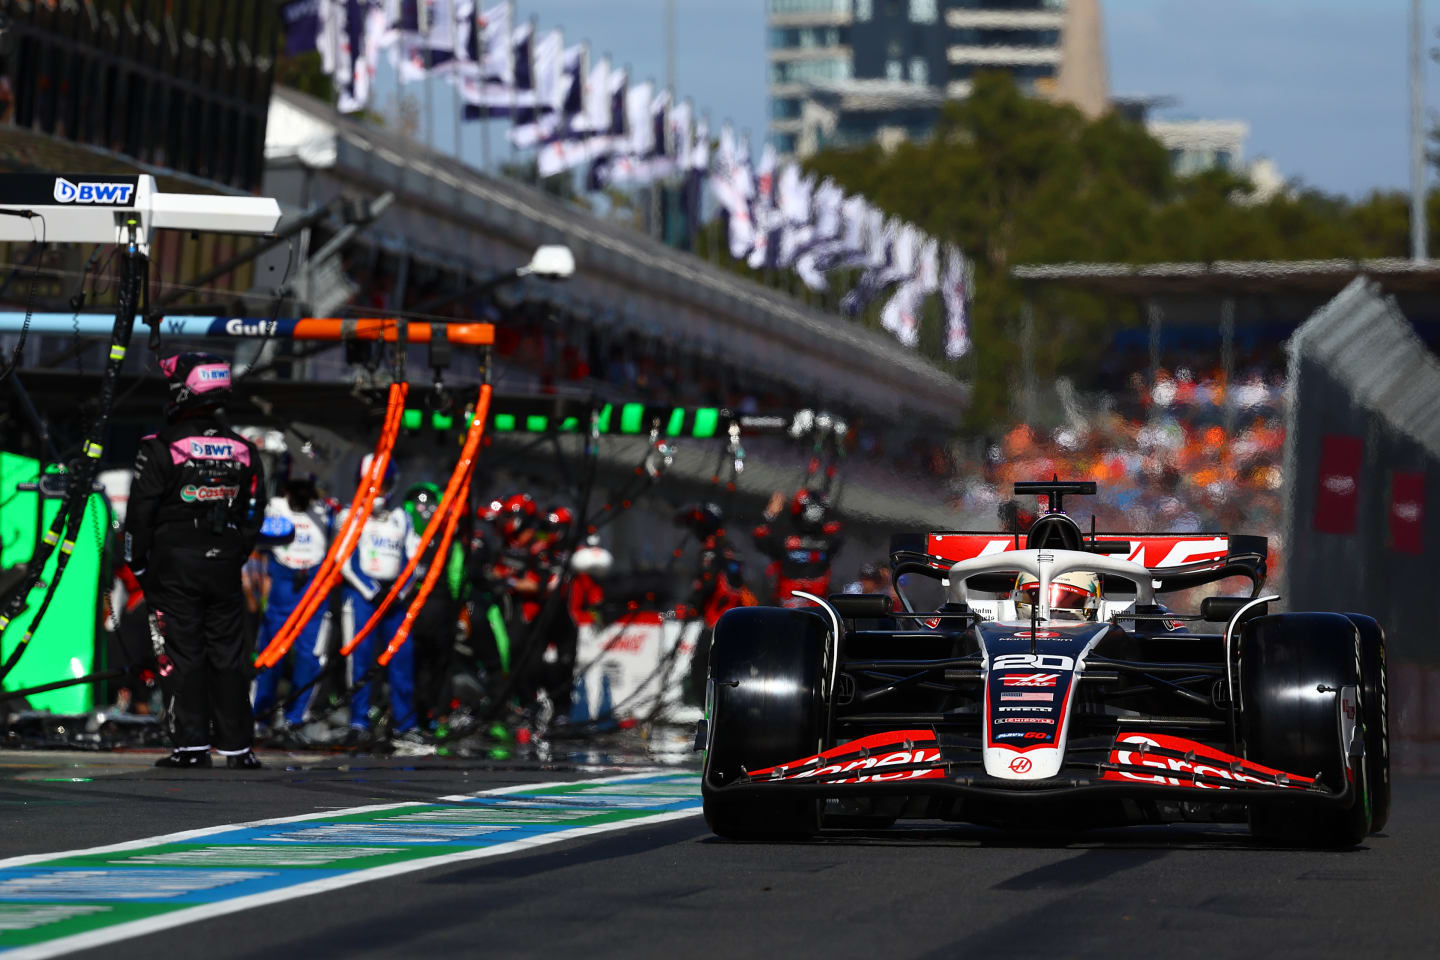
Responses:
[291,568]
[385,546]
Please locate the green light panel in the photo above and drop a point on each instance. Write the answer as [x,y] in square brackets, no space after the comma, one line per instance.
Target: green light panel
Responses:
[707,419]
[632,415]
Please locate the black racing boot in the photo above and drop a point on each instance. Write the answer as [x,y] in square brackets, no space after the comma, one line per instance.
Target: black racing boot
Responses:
[185,758]
[244,761]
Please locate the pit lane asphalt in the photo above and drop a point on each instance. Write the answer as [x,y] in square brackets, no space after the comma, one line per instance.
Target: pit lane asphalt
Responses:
[916,891]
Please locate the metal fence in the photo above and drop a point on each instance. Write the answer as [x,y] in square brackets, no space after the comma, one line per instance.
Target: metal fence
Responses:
[1363,511]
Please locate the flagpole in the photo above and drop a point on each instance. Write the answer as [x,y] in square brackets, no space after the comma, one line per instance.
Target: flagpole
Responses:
[429,78]
[456,86]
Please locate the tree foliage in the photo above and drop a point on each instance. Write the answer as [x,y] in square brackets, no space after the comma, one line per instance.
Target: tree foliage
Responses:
[1014,180]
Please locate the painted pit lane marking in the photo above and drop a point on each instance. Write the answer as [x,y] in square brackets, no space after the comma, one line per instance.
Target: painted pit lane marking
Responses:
[56,903]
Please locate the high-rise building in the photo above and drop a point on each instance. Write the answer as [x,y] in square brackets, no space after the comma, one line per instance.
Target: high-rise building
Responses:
[848,71]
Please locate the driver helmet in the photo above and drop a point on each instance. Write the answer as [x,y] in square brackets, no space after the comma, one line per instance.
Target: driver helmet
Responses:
[1073,596]
[810,510]
[196,380]
[421,502]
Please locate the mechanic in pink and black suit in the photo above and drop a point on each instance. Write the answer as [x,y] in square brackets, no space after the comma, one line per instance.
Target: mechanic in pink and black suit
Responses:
[196,506]
[802,550]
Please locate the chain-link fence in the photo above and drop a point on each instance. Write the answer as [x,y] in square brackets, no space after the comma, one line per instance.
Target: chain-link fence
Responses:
[1363,464]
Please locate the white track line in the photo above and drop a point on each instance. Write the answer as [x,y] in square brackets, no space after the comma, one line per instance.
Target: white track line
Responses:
[188,915]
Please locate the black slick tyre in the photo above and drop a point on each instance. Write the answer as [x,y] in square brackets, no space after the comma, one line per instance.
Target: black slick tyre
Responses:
[764,697]
[1296,670]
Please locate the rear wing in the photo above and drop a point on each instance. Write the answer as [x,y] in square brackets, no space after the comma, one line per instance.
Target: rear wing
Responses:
[1178,561]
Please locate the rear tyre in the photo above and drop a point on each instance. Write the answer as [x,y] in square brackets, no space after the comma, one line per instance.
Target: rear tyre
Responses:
[1375,695]
[764,694]
[1295,670]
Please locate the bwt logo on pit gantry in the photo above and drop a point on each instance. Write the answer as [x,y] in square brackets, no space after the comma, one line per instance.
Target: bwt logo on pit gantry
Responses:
[113,194]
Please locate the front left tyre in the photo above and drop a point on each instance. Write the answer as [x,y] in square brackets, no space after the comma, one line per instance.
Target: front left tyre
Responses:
[1301,691]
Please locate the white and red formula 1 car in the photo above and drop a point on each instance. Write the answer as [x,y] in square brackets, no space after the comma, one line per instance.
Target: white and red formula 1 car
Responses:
[990,710]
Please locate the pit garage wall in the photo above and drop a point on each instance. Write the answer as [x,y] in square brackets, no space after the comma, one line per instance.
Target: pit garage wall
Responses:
[1363,534]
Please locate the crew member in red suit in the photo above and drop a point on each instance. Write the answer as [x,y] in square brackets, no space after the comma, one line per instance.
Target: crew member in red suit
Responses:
[719,584]
[802,548]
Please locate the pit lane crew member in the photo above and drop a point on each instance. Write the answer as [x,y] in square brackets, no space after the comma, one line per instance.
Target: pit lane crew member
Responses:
[801,551]
[291,568]
[193,518]
[434,630]
[718,584]
[385,545]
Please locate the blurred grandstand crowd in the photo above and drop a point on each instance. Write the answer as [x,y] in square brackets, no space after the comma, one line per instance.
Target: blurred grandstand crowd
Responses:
[1190,453]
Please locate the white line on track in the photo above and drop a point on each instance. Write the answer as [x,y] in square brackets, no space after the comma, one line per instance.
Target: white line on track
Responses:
[188,915]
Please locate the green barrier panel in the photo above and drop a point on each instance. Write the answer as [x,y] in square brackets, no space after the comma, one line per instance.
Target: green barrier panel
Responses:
[64,645]
[635,419]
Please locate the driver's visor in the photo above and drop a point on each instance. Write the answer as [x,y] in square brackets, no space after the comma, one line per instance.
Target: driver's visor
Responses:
[1063,596]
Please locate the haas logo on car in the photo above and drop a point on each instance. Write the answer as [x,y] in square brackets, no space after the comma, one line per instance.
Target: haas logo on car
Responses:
[1030,679]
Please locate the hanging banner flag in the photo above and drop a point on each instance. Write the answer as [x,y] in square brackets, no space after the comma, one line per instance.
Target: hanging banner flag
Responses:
[879,257]
[301,21]
[764,212]
[734,187]
[1337,493]
[955,291]
[536,123]
[795,199]
[647,154]
[1407,512]
[826,238]
[600,128]
[901,315]
[488,95]
[429,37]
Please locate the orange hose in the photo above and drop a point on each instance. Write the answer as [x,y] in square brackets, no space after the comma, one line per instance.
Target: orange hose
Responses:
[437,520]
[321,583]
[349,539]
[432,576]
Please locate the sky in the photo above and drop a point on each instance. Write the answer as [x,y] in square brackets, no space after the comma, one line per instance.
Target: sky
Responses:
[1322,83]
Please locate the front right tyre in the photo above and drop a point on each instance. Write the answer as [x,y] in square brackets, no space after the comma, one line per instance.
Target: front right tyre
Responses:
[766,706]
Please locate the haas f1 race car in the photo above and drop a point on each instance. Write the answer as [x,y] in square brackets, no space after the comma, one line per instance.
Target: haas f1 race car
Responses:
[1049,686]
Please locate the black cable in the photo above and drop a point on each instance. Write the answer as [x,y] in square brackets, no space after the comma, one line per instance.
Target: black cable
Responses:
[72,513]
[15,355]
[62,684]
[279,300]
